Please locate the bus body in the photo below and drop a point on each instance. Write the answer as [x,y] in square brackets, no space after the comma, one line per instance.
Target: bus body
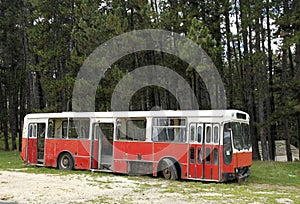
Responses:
[208,145]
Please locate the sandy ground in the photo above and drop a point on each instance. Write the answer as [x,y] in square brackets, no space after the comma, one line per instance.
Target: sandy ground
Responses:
[20,187]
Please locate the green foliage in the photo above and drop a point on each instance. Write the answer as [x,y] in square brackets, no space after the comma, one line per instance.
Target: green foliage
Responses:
[106,88]
[200,34]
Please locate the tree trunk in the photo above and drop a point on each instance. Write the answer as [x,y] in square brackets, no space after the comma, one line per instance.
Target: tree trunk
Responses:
[296,11]
[229,55]
[249,99]
[23,87]
[260,65]
[4,122]
[283,101]
[270,99]
[13,120]
[284,83]
[238,40]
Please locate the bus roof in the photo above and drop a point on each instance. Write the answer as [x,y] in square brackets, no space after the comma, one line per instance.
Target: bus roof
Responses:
[161,113]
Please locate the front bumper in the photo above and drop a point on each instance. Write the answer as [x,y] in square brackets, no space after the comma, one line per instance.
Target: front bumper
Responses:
[241,175]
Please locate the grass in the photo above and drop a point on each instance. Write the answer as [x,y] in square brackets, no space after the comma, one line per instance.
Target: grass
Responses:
[10,160]
[275,173]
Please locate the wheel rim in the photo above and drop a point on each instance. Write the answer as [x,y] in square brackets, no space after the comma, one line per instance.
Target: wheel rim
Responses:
[166,171]
[65,162]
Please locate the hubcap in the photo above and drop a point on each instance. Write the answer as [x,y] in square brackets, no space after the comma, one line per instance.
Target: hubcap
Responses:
[167,173]
[65,162]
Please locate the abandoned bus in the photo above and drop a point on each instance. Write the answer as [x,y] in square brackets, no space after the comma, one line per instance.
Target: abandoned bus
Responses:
[208,145]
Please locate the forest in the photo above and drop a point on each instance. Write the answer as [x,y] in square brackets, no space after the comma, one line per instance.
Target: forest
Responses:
[254,44]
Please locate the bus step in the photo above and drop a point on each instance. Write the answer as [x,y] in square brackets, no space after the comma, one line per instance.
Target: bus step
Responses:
[105,166]
[101,170]
[40,161]
[39,164]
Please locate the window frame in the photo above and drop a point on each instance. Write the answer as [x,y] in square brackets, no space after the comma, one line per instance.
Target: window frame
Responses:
[218,134]
[179,130]
[122,132]
[208,126]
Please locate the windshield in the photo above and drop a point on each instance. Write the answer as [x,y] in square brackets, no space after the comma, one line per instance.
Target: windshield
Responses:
[241,135]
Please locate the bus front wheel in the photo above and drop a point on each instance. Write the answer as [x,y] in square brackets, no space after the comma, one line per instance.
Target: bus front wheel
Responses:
[65,162]
[168,169]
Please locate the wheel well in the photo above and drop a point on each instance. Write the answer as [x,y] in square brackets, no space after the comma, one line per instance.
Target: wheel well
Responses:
[175,162]
[64,152]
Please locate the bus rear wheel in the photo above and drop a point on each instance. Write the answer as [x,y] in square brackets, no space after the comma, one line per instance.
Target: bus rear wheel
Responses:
[168,169]
[65,162]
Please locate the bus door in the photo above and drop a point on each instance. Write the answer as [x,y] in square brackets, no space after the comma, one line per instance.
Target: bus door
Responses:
[211,152]
[196,151]
[102,146]
[36,143]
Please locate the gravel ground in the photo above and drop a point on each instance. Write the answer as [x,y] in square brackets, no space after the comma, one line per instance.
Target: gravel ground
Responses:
[20,187]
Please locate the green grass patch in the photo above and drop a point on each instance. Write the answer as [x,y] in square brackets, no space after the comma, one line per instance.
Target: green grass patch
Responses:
[10,160]
[275,173]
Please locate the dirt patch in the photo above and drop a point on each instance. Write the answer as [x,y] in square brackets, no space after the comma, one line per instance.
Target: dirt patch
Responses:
[23,187]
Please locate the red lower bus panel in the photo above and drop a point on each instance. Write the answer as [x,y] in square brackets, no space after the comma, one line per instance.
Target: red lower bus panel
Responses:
[79,150]
[23,153]
[120,166]
[131,151]
[32,151]
[244,159]
[82,163]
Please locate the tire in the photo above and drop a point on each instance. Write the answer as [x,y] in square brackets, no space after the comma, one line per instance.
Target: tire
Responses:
[168,170]
[65,162]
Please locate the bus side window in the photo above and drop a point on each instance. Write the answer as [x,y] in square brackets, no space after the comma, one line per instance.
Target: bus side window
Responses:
[57,128]
[208,134]
[169,129]
[192,133]
[227,143]
[199,155]
[50,129]
[199,131]
[121,129]
[118,131]
[64,129]
[192,155]
[207,156]
[136,130]
[216,134]
[96,131]
[78,128]
[216,156]
[131,129]
[74,129]
[84,128]
[32,130]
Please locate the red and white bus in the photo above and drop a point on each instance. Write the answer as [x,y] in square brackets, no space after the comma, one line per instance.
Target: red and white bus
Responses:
[208,145]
